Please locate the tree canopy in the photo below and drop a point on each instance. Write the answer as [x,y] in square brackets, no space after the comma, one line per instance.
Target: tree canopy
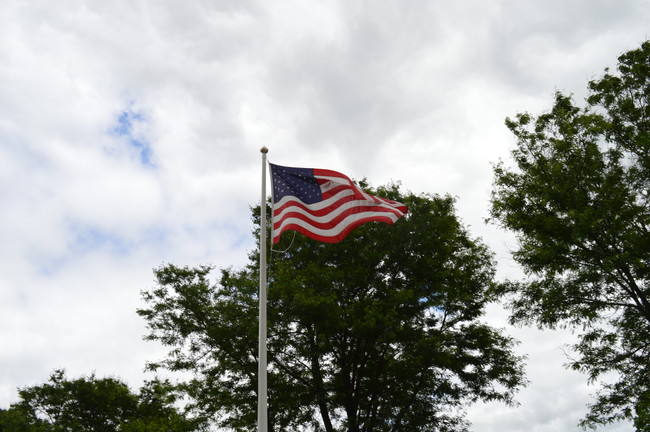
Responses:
[578,199]
[91,404]
[380,332]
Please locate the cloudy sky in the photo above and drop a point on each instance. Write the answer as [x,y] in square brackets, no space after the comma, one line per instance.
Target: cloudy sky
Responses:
[130,135]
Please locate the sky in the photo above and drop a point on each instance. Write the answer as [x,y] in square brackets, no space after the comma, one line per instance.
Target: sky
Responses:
[130,135]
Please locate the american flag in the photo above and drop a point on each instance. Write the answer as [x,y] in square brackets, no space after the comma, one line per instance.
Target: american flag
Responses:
[323,204]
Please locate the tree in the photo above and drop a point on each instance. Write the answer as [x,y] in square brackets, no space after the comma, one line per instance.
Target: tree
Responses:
[579,202]
[18,420]
[95,405]
[380,332]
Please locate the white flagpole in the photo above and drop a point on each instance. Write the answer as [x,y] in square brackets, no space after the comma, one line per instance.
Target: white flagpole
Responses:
[262,411]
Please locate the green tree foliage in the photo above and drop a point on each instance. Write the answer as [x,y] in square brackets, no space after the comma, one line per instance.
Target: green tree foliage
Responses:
[579,202]
[380,332]
[17,419]
[91,404]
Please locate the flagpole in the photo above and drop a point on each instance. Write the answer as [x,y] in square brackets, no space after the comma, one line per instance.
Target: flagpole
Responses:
[262,411]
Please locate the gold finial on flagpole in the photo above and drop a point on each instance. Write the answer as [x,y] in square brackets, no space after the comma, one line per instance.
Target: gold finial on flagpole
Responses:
[264,150]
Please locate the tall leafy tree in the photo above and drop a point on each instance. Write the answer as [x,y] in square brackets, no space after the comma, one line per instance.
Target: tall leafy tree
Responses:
[578,199]
[16,419]
[380,332]
[91,404]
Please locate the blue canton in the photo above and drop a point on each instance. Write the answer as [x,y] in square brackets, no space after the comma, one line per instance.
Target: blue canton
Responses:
[299,182]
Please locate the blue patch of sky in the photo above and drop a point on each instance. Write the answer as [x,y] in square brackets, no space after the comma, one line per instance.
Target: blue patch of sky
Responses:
[156,236]
[88,238]
[126,128]
[51,266]
[85,239]
[242,239]
[238,238]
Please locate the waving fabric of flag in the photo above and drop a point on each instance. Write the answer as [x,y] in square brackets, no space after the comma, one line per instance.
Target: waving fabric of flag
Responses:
[323,204]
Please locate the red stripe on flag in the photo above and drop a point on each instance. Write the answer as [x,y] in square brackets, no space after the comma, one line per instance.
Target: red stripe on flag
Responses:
[319,212]
[333,238]
[338,219]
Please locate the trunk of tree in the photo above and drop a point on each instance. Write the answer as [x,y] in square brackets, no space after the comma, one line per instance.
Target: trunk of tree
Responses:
[319,387]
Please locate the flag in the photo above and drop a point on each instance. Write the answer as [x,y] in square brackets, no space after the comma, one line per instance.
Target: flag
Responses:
[323,204]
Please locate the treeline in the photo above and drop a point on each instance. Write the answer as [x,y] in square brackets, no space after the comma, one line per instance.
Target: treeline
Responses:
[98,405]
